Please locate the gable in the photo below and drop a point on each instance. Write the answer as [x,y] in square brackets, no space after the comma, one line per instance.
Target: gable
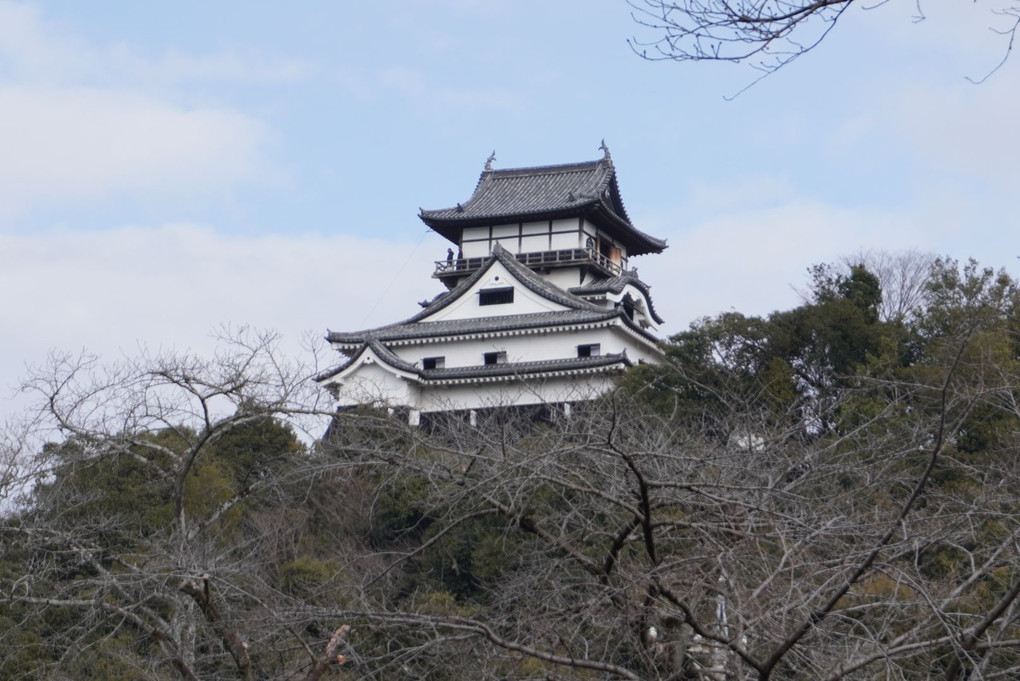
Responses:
[634,298]
[497,293]
[373,377]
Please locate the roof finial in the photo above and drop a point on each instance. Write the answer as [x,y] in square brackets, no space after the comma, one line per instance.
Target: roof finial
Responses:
[488,161]
[605,150]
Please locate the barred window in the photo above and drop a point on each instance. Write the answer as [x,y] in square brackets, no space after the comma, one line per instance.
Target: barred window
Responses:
[496,296]
[495,357]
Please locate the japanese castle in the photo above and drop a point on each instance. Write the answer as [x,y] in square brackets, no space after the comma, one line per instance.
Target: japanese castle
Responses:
[541,307]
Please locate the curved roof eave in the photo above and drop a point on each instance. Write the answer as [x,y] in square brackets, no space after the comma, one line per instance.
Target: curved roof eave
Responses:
[522,273]
[545,192]
[616,285]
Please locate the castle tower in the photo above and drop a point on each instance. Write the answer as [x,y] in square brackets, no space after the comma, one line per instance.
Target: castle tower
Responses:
[541,305]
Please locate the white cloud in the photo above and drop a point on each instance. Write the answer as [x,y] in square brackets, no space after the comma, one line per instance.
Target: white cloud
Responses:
[31,51]
[81,124]
[964,128]
[35,50]
[170,286]
[740,194]
[754,261]
[414,86]
[971,34]
[87,144]
[175,67]
[956,137]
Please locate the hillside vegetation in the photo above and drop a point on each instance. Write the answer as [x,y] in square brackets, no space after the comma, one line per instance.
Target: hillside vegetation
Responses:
[828,492]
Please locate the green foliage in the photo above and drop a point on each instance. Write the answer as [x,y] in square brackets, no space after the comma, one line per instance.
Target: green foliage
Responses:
[400,509]
[794,366]
[256,449]
[107,511]
[306,578]
[861,288]
[753,471]
[123,497]
[115,657]
[24,650]
[477,551]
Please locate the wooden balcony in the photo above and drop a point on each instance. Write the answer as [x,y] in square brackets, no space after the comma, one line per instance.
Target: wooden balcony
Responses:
[448,271]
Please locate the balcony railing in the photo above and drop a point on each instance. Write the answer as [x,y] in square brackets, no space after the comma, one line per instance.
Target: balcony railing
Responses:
[456,267]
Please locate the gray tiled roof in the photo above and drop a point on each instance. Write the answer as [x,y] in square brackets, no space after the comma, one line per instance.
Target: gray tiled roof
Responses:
[528,368]
[607,284]
[413,327]
[580,311]
[455,327]
[536,283]
[545,192]
[616,285]
[509,369]
[381,350]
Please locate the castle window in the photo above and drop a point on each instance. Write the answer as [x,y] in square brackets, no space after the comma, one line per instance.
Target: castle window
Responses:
[495,357]
[590,350]
[433,363]
[496,296]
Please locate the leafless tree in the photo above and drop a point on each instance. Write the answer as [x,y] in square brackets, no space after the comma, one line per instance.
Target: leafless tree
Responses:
[903,276]
[766,35]
[172,566]
[617,543]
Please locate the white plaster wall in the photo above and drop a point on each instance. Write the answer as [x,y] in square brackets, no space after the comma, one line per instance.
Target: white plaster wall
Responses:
[565,278]
[510,243]
[518,348]
[499,231]
[535,243]
[547,391]
[529,237]
[565,225]
[535,347]
[373,384]
[475,249]
[457,354]
[467,307]
[567,240]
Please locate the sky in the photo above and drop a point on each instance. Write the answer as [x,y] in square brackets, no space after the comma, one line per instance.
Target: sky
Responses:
[170,168]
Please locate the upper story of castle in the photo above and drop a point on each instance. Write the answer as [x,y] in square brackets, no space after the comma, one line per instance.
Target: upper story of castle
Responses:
[567,223]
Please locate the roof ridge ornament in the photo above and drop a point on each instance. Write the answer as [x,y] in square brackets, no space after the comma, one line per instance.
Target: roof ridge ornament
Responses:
[488,161]
[605,151]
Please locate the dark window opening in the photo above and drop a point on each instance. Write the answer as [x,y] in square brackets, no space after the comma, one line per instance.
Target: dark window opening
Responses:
[590,350]
[433,363]
[495,357]
[496,296]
